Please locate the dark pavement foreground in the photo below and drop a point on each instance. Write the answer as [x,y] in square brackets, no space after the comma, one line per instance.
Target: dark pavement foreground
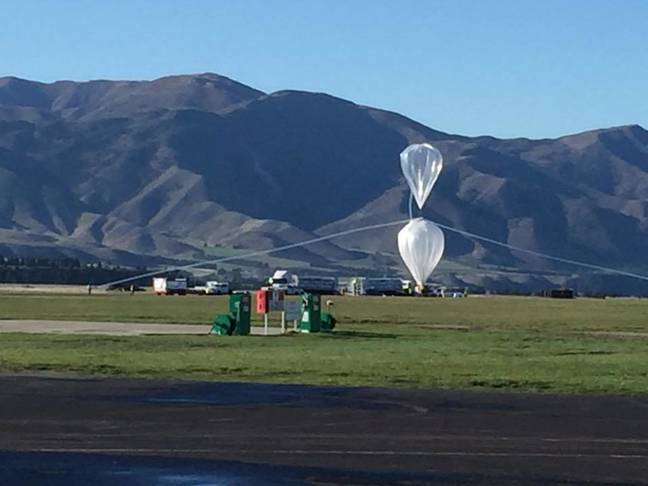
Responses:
[124,431]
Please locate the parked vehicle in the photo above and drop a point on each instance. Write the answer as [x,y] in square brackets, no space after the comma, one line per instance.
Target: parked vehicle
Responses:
[279,281]
[164,286]
[217,288]
[456,292]
[434,290]
[383,286]
[210,288]
[318,285]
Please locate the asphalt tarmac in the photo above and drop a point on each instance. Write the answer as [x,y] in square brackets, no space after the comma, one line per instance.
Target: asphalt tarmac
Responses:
[34,326]
[139,432]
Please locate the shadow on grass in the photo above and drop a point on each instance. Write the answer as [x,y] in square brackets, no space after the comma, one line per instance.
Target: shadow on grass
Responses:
[503,383]
[584,352]
[359,334]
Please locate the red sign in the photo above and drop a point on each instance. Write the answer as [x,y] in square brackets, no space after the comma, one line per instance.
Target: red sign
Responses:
[262,301]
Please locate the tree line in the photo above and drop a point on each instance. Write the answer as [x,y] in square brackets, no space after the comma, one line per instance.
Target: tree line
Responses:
[43,270]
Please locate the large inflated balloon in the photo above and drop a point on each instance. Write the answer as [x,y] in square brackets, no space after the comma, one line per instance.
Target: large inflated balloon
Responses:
[421,164]
[421,244]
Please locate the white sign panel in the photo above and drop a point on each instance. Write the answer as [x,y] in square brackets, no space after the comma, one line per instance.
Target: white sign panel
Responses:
[293,309]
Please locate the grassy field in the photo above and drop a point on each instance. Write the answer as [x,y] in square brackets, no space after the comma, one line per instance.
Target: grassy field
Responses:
[484,343]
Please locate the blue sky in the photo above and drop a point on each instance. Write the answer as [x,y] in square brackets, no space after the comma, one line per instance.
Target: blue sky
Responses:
[537,68]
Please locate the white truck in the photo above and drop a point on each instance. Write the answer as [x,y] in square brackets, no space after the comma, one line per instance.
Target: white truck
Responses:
[164,286]
[212,287]
[282,280]
[217,288]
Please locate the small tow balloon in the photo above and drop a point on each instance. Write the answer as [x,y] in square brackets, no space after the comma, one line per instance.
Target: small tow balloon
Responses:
[421,164]
[421,245]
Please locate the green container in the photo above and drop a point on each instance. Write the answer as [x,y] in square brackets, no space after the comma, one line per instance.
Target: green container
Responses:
[327,322]
[311,315]
[223,325]
[238,320]
[240,306]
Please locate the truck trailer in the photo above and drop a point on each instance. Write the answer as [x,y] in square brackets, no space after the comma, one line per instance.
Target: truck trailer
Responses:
[318,285]
[383,286]
[164,286]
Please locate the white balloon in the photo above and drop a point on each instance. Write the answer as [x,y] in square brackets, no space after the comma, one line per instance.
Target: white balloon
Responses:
[421,164]
[421,245]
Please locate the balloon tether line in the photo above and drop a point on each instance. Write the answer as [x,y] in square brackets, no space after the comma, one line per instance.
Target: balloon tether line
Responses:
[542,255]
[377,226]
[255,253]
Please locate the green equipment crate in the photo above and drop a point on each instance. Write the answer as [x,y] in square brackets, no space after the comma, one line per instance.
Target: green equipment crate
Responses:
[311,315]
[327,322]
[237,321]
[223,325]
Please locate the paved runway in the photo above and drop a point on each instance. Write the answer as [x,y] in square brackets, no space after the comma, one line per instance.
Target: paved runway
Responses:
[114,431]
[112,328]
[144,328]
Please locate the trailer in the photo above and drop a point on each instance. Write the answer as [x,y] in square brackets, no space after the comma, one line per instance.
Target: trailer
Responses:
[164,286]
[383,286]
[318,285]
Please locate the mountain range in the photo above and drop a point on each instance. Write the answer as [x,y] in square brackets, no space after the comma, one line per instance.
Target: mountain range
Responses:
[192,167]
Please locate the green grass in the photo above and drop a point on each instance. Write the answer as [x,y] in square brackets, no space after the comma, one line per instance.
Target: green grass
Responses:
[117,307]
[498,343]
